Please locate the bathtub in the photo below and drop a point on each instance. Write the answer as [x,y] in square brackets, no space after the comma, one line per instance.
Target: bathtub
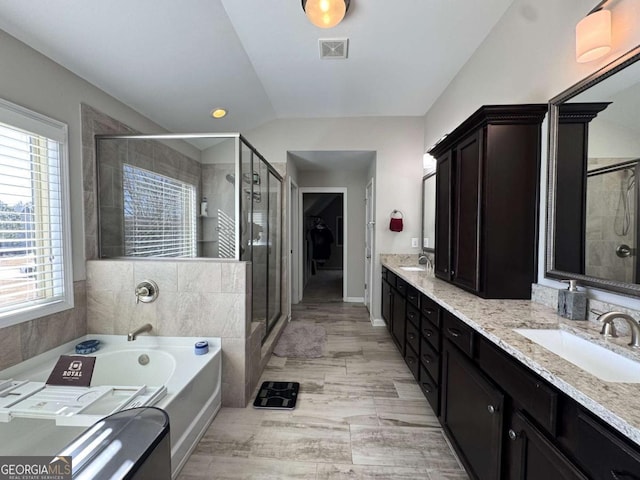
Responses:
[192,399]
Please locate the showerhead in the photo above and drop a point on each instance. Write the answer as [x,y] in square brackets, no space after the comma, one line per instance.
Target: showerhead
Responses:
[231,178]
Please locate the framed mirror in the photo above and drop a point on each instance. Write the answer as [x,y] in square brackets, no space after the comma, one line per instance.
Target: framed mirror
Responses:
[429,212]
[593,208]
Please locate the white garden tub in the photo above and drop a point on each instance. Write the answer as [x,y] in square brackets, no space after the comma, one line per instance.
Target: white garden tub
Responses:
[193,384]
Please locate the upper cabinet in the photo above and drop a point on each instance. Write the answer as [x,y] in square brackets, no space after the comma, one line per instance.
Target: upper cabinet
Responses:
[487,201]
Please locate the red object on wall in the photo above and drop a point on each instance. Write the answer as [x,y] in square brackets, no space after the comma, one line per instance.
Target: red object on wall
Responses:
[395,225]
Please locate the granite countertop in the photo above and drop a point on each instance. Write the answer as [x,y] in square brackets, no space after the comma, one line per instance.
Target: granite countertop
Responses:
[618,404]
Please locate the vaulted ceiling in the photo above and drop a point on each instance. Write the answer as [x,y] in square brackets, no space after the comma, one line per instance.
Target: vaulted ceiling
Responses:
[175,60]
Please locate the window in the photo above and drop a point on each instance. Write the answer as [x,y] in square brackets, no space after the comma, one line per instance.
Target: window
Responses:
[159,215]
[35,261]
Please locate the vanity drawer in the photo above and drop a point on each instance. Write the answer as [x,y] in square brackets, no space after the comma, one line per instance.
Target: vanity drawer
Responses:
[413,336]
[602,454]
[430,390]
[401,286]
[413,296]
[430,359]
[533,394]
[430,333]
[412,361]
[430,310]
[460,334]
[413,315]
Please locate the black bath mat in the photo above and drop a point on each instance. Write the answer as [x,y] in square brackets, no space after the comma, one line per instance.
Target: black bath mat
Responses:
[277,395]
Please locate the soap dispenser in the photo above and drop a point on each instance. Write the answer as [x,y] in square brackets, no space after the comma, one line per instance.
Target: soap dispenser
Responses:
[572,303]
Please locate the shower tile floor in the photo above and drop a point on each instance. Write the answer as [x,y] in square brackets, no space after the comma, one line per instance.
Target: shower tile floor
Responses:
[360,415]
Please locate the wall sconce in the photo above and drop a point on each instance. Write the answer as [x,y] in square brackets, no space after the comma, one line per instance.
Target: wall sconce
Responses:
[325,13]
[429,162]
[593,36]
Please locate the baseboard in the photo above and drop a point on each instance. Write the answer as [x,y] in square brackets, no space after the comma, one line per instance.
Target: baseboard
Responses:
[354,299]
[378,322]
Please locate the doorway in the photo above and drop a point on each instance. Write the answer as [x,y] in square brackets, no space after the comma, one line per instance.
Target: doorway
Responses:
[324,246]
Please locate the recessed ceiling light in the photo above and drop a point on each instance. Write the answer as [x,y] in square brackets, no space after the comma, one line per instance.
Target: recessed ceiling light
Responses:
[218,112]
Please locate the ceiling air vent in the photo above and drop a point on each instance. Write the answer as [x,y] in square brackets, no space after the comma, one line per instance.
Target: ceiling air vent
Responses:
[334,48]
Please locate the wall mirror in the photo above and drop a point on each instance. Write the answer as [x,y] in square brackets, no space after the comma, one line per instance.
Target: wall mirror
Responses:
[593,229]
[428,212]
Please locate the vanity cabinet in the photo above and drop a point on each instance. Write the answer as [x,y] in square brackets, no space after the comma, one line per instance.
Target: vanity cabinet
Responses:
[394,307]
[472,413]
[430,351]
[487,201]
[530,455]
[504,421]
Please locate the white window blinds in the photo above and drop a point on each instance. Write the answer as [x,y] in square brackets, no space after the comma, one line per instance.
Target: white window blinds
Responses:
[159,215]
[33,233]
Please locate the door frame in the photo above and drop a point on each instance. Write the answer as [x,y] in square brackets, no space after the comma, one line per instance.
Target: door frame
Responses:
[301,234]
[370,241]
[294,254]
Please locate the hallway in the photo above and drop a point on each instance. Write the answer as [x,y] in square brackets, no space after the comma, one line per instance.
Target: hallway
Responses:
[360,415]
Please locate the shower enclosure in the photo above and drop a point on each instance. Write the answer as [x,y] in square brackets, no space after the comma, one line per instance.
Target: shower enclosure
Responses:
[612,220]
[155,201]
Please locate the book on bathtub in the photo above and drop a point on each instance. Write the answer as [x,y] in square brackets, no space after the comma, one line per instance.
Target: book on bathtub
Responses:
[72,371]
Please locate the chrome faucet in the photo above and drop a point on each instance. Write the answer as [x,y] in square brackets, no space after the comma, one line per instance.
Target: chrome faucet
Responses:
[609,329]
[147,327]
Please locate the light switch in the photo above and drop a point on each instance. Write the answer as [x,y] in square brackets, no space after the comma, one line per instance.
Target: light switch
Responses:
[414,242]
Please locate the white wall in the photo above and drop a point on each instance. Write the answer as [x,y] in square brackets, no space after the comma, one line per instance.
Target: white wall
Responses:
[398,143]
[36,82]
[529,57]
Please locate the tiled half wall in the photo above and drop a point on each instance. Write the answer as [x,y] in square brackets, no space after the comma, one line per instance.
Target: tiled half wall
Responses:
[196,298]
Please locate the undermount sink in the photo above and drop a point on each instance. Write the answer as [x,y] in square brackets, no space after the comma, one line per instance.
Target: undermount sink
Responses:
[413,269]
[599,361]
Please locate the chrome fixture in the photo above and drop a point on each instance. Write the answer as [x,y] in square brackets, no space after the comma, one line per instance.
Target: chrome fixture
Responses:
[146,291]
[147,327]
[609,329]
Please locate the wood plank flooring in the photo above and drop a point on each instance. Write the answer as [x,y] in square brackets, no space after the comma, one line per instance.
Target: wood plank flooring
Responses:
[360,415]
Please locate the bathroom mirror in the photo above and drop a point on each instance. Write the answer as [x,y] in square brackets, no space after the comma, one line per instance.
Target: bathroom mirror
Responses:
[593,229]
[428,212]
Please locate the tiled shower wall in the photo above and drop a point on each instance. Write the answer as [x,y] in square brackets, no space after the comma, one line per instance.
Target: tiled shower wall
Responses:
[197,298]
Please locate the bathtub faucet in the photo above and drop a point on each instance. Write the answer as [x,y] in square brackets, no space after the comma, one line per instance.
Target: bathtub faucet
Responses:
[144,328]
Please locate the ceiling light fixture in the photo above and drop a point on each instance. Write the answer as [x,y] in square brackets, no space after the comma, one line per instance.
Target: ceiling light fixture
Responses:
[593,36]
[325,13]
[218,112]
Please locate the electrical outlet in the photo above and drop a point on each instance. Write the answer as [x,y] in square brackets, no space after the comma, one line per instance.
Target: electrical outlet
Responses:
[414,242]
[425,242]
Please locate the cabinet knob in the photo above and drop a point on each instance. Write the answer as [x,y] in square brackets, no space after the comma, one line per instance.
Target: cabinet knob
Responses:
[512,435]
[428,311]
[411,336]
[491,409]
[428,332]
[454,332]
[427,358]
[427,388]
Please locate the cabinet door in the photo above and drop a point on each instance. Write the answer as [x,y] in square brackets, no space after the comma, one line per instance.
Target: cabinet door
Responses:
[386,303]
[472,414]
[442,263]
[466,213]
[530,456]
[399,320]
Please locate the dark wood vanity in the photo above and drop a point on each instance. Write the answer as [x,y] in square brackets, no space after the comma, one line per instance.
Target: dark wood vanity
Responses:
[503,419]
[488,172]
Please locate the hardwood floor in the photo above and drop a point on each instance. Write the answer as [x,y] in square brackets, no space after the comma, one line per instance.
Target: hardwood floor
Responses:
[360,415]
